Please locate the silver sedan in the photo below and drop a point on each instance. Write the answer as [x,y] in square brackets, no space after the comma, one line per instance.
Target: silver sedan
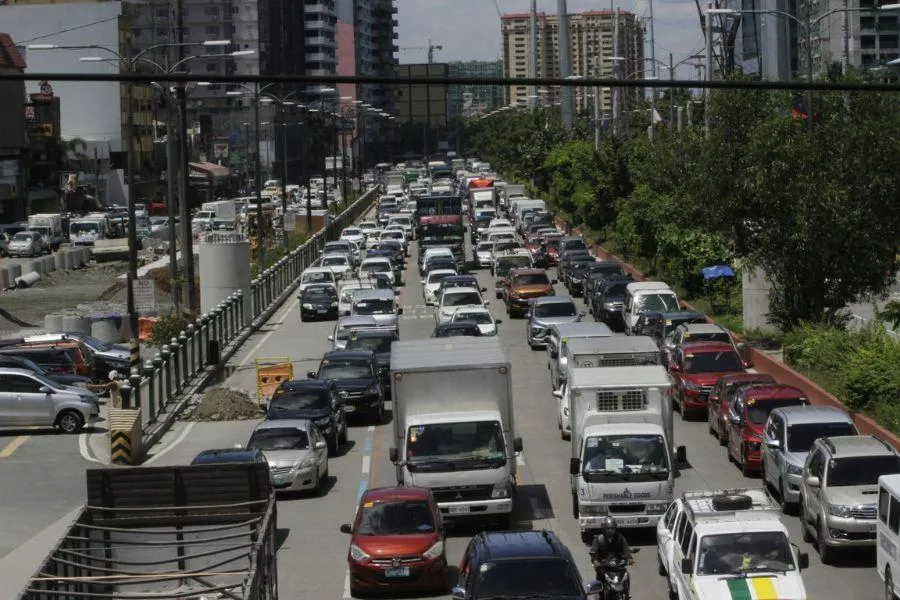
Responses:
[297,454]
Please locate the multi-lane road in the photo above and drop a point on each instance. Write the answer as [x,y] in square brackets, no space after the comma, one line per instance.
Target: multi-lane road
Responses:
[312,555]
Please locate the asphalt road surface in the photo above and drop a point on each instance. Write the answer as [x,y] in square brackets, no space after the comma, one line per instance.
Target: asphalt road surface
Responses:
[312,555]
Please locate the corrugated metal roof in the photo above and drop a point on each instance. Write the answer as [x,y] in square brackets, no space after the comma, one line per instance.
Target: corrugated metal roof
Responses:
[448,353]
[9,54]
[621,343]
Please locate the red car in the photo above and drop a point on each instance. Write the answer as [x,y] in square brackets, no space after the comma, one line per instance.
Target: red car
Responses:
[397,542]
[747,417]
[533,244]
[696,367]
[721,396]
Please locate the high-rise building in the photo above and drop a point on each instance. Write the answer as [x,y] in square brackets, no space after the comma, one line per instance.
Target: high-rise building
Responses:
[775,45]
[474,100]
[592,49]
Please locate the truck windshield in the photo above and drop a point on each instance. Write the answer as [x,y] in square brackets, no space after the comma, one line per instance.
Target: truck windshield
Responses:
[657,302]
[861,470]
[371,343]
[529,578]
[429,445]
[81,228]
[624,455]
[345,369]
[739,553]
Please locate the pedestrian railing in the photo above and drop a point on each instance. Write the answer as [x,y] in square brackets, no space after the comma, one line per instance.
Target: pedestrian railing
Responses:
[159,385]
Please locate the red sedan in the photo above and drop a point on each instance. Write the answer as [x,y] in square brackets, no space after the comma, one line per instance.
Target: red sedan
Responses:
[397,542]
[696,367]
[721,396]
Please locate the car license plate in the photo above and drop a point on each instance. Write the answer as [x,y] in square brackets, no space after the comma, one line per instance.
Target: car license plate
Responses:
[322,311]
[397,572]
[349,408]
[455,510]
[626,520]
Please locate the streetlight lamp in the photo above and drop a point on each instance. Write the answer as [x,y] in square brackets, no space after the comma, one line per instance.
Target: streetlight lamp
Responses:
[130,62]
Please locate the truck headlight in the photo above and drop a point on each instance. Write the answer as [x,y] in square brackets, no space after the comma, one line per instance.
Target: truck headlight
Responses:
[358,555]
[656,509]
[609,305]
[593,509]
[501,490]
[435,551]
[840,510]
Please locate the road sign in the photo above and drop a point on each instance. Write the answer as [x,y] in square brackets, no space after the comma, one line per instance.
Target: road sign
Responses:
[144,295]
[290,221]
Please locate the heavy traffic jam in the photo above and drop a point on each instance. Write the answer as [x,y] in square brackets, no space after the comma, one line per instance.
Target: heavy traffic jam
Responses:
[623,359]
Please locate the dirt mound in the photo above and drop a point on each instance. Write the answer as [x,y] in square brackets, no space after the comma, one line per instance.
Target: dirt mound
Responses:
[224,404]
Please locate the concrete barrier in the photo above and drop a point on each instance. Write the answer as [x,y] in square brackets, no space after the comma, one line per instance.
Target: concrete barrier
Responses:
[28,279]
[106,330]
[108,250]
[70,260]
[49,264]
[53,323]
[15,271]
[36,265]
[125,436]
[76,324]
[5,281]
[59,259]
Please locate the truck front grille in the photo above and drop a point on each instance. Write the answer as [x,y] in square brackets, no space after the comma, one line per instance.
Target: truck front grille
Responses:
[621,400]
[620,509]
[462,493]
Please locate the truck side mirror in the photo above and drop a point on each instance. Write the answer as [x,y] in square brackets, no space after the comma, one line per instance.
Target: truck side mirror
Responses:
[687,566]
[574,466]
[517,444]
[393,455]
[400,310]
[681,455]
[813,481]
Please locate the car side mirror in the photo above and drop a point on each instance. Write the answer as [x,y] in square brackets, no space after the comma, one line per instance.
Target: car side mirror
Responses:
[310,374]
[581,314]
[320,445]
[675,367]
[393,455]
[736,419]
[574,466]
[687,566]
[330,338]
[594,587]
[528,314]
[400,310]
[486,302]
[264,406]
[748,364]
[554,354]
[803,560]
[422,281]
[346,528]
[498,321]
[484,289]
[557,393]
[813,481]
[45,390]
[773,444]
[458,593]
[517,444]
[681,455]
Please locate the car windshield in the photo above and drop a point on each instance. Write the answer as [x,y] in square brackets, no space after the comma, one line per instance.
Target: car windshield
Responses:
[351,232]
[345,369]
[800,437]
[532,578]
[861,470]
[347,294]
[22,237]
[712,362]
[95,344]
[531,279]
[455,441]
[279,438]
[758,410]
[625,455]
[485,246]
[555,309]
[739,553]
[393,234]
[395,517]
[574,245]
[375,267]
[461,299]
[616,289]
[337,247]
[373,306]
[374,343]
[505,265]
[665,302]
[317,276]
[299,400]
[320,294]
[457,329]
[438,277]
[481,318]
[334,260]
[712,336]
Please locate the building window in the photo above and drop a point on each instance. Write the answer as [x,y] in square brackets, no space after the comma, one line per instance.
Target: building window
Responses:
[211,10]
[212,30]
[235,10]
[162,13]
[162,32]
[211,68]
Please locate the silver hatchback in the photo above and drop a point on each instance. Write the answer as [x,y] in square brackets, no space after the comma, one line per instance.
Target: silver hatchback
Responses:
[31,400]
[26,243]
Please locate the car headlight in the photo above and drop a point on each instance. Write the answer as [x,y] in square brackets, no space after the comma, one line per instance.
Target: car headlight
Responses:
[435,551]
[334,304]
[358,555]
[693,387]
[308,306]
[501,490]
[373,389]
[307,463]
[609,305]
[793,469]
[752,446]
[566,410]
[840,510]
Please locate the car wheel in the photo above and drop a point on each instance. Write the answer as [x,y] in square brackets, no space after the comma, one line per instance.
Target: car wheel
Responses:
[709,423]
[343,437]
[379,414]
[723,436]
[786,507]
[804,523]
[70,421]
[660,568]
[334,445]
[587,537]
[888,585]
[826,554]
[574,506]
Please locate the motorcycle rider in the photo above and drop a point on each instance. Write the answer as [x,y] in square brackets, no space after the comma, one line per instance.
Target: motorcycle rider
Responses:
[610,544]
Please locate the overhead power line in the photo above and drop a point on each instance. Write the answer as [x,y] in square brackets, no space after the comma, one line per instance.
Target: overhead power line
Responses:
[61,31]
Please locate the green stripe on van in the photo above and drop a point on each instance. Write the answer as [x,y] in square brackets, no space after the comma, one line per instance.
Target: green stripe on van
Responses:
[739,589]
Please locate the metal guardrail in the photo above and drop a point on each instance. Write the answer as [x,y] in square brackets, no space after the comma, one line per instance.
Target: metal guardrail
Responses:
[179,363]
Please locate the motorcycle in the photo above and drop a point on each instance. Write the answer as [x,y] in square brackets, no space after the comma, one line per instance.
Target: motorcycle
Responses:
[612,572]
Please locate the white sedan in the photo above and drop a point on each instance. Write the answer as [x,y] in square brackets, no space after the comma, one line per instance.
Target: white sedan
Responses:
[377,264]
[353,234]
[432,283]
[480,316]
[339,264]
[455,298]
[373,235]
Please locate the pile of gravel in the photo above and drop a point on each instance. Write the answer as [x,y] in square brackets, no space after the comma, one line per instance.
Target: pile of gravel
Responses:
[225,404]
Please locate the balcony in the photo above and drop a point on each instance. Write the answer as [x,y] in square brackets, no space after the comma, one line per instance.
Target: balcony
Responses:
[320,26]
[321,57]
[318,9]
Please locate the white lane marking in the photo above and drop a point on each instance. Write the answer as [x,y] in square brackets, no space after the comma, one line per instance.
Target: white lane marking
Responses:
[370,428]
[84,450]
[520,460]
[347,595]
[174,443]
[367,464]
[266,337]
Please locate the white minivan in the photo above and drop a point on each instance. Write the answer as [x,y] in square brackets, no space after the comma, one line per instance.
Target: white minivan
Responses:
[646,296]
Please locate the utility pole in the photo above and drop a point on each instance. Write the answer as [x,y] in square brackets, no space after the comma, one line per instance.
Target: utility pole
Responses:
[652,45]
[671,90]
[565,57]
[171,182]
[187,234]
[132,218]
[615,74]
[707,31]
[533,49]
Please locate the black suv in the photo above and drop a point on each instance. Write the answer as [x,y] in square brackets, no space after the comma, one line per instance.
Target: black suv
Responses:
[607,299]
[313,399]
[378,341]
[358,380]
[596,273]
[519,564]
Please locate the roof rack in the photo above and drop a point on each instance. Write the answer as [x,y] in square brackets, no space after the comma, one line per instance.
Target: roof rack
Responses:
[885,444]
[729,502]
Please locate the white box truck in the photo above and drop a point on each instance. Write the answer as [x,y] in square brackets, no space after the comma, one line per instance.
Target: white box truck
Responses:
[50,228]
[224,209]
[622,462]
[454,430]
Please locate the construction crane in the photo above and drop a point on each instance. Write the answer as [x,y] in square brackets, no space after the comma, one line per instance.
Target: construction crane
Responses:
[431,48]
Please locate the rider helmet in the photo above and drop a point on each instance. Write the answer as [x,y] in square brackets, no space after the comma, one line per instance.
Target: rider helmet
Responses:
[609,528]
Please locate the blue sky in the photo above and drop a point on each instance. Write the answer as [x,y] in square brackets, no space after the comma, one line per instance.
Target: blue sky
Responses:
[470,29]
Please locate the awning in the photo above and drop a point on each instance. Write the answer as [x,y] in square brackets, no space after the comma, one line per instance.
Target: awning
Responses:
[717,272]
[210,169]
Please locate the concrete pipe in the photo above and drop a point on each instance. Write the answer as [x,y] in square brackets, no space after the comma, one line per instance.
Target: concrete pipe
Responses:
[76,324]
[4,278]
[53,323]
[15,271]
[106,330]
[49,264]
[28,279]
[59,259]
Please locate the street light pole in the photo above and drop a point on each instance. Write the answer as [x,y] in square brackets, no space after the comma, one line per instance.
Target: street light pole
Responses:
[171,174]
[708,39]
[260,237]
[132,219]
[284,172]
[187,230]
